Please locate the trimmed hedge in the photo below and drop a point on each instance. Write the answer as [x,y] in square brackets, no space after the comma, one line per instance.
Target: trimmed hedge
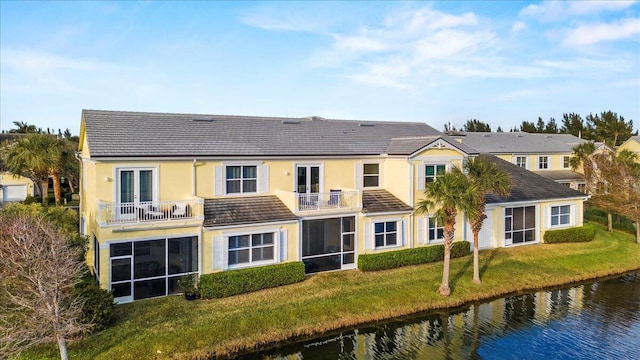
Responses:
[575,234]
[421,255]
[233,282]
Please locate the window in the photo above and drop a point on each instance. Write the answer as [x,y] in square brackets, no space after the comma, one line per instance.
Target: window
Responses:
[431,172]
[435,230]
[560,215]
[241,179]
[566,162]
[519,225]
[247,249]
[96,258]
[521,161]
[371,175]
[386,234]
[543,162]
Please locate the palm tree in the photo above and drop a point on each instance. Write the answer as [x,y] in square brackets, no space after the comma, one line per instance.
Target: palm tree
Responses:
[489,178]
[37,156]
[23,128]
[450,194]
[582,158]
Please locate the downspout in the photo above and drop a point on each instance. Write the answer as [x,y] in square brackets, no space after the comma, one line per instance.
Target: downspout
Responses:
[201,232]
[193,178]
[412,192]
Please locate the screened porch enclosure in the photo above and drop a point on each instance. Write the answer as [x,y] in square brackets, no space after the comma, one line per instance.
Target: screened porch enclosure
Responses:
[328,244]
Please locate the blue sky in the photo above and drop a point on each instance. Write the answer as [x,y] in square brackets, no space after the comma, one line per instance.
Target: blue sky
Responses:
[500,62]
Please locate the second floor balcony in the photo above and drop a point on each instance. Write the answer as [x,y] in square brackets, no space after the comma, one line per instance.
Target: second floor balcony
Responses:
[334,200]
[110,213]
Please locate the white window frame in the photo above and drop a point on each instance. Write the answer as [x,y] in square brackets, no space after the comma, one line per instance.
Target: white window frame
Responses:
[398,232]
[276,248]
[566,160]
[365,175]
[154,176]
[526,161]
[241,179]
[427,224]
[547,162]
[559,215]
[536,229]
[435,176]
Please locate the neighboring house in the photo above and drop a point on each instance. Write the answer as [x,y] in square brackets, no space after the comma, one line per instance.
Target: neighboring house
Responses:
[164,195]
[14,187]
[545,154]
[632,144]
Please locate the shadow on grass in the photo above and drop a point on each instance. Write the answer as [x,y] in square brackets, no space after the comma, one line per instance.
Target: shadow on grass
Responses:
[486,263]
[454,279]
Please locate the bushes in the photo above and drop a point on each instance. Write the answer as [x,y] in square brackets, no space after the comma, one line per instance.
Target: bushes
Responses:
[575,234]
[98,307]
[599,216]
[399,258]
[228,283]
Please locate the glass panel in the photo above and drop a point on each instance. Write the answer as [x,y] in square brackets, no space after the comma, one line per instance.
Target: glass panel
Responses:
[564,219]
[391,239]
[517,237]
[507,223]
[440,234]
[432,234]
[554,220]
[529,235]
[233,186]
[149,259]
[391,226]
[173,285]
[324,263]
[348,224]
[518,219]
[315,179]
[379,228]
[233,172]
[120,269]
[249,186]
[371,181]
[440,170]
[262,253]
[370,169]
[149,288]
[146,185]
[126,186]
[430,170]
[347,242]
[238,256]
[120,290]
[530,217]
[249,172]
[508,211]
[555,210]
[565,209]
[236,242]
[262,239]
[379,240]
[120,249]
[348,258]
[302,179]
[183,255]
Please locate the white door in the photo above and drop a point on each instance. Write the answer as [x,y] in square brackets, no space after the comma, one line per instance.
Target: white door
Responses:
[135,186]
[485,237]
[14,193]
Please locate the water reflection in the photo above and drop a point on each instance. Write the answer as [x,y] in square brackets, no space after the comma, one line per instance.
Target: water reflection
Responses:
[594,320]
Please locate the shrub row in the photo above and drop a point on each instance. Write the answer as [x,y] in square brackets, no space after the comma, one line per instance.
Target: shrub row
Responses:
[575,234]
[233,282]
[599,216]
[421,255]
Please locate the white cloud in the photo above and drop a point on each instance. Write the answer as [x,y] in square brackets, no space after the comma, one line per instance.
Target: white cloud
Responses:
[547,11]
[274,19]
[518,26]
[589,34]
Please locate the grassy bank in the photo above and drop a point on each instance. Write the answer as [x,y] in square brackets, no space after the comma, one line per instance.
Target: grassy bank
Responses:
[174,328]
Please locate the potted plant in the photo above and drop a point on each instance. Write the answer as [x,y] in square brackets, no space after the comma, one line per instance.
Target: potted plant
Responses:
[189,286]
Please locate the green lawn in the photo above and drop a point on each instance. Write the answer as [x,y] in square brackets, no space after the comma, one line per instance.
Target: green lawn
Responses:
[172,327]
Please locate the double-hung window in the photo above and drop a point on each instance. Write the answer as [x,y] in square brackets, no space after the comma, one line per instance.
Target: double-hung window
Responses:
[241,179]
[566,163]
[560,215]
[386,234]
[371,175]
[521,161]
[431,172]
[249,249]
[435,230]
[543,162]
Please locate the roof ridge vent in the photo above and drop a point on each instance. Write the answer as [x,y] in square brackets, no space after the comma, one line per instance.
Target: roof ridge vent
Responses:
[366,124]
[519,135]
[202,118]
[548,136]
[486,135]
[290,121]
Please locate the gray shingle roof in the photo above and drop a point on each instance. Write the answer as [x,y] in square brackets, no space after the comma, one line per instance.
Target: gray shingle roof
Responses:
[519,142]
[558,175]
[382,201]
[245,210]
[528,186]
[140,134]
[409,145]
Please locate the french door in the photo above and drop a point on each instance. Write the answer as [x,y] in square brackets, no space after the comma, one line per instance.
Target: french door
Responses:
[307,185]
[134,187]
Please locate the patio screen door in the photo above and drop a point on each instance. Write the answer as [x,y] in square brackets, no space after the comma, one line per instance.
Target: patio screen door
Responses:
[135,186]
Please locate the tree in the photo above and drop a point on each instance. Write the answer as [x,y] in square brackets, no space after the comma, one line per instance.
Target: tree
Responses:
[450,194]
[528,127]
[475,125]
[38,157]
[573,124]
[582,158]
[23,128]
[610,128]
[540,125]
[551,127]
[38,271]
[488,178]
[499,129]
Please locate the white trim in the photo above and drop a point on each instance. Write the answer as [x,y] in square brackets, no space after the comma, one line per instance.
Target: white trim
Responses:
[548,215]
[428,240]
[388,213]
[319,164]
[536,202]
[539,157]
[367,162]
[526,161]
[400,233]
[536,230]
[276,248]
[224,179]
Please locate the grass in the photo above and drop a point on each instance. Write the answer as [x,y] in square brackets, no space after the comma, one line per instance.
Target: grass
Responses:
[171,327]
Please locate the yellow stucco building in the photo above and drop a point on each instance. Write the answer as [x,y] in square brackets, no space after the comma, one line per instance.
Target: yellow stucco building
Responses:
[164,195]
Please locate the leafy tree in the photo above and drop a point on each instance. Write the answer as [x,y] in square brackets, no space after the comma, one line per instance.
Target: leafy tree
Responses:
[573,124]
[499,129]
[23,128]
[37,277]
[551,127]
[488,178]
[449,127]
[475,125]
[528,127]
[540,125]
[610,128]
[582,158]
[450,194]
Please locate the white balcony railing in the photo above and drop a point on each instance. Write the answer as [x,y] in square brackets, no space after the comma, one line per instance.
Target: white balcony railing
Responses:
[127,213]
[336,199]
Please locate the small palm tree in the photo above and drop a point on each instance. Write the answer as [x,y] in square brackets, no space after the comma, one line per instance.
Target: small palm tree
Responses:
[582,157]
[450,194]
[489,178]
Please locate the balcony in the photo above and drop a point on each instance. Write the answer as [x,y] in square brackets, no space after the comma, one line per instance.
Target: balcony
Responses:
[110,213]
[333,201]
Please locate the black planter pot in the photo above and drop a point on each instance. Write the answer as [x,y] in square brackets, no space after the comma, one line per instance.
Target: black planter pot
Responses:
[190,296]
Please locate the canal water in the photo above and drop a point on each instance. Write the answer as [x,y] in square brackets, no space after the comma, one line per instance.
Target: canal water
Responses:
[596,320]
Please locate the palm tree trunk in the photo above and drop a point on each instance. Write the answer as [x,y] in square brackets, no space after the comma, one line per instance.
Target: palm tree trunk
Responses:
[57,193]
[638,231]
[476,261]
[449,229]
[44,185]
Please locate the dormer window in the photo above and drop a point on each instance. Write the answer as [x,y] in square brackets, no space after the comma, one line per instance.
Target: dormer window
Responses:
[241,179]
[431,172]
